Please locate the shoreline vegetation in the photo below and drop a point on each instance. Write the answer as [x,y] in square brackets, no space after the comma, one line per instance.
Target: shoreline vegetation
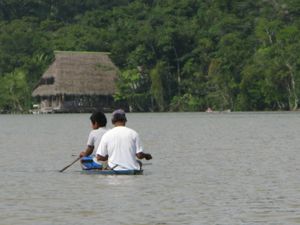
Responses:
[173,56]
[35,112]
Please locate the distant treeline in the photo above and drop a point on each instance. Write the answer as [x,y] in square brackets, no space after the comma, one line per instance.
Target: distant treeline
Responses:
[174,55]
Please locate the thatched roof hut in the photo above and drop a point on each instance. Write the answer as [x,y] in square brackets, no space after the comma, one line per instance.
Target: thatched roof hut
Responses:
[73,77]
[78,73]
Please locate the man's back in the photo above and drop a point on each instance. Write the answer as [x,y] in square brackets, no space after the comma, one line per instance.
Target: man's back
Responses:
[95,137]
[121,145]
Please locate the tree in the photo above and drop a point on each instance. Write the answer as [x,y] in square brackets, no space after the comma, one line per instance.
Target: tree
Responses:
[14,92]
[133,86]
[157,88]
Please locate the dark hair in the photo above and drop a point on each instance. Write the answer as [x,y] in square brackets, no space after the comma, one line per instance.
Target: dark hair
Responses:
[99,117]
[118,116]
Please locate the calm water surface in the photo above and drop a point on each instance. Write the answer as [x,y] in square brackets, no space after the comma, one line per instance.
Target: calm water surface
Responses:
[225,169]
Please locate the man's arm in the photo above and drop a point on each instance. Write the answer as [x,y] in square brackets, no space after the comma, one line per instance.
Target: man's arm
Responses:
[142,155]
[101,153]
[101,158]
[89,150]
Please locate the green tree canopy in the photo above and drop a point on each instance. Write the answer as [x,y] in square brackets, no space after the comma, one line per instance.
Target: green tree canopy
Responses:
[179,55]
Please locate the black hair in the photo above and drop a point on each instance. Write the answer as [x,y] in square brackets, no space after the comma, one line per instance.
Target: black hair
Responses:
[118,118]
[99,117]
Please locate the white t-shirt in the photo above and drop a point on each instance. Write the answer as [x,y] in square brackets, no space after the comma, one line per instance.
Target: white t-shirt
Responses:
[95,137]
[121,145]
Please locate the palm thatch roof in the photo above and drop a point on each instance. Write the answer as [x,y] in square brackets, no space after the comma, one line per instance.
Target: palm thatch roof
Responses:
[78,73]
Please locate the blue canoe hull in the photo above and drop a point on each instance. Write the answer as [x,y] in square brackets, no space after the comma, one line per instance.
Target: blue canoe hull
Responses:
[90,167]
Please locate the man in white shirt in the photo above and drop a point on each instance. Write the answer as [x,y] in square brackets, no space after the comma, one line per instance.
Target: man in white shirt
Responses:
[121,145]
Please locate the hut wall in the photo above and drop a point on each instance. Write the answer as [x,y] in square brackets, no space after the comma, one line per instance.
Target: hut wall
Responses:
[86,103]
[79,104]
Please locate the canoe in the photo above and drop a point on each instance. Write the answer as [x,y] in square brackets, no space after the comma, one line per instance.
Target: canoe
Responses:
[113,172]
[89,166]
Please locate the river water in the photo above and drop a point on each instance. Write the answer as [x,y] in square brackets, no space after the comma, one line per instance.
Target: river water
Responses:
[207,168]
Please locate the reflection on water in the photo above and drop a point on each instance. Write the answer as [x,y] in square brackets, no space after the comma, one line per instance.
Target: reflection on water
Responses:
[226,169]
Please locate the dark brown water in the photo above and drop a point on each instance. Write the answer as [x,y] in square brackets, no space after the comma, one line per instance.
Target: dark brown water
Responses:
[225,169]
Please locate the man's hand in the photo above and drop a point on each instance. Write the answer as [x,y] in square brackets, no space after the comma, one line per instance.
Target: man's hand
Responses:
[142,155]
[148,156]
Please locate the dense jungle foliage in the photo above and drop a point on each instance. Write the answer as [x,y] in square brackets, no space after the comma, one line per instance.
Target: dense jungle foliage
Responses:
[174,55]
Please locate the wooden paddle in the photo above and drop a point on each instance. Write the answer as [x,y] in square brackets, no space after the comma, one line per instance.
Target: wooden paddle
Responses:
[63,169]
